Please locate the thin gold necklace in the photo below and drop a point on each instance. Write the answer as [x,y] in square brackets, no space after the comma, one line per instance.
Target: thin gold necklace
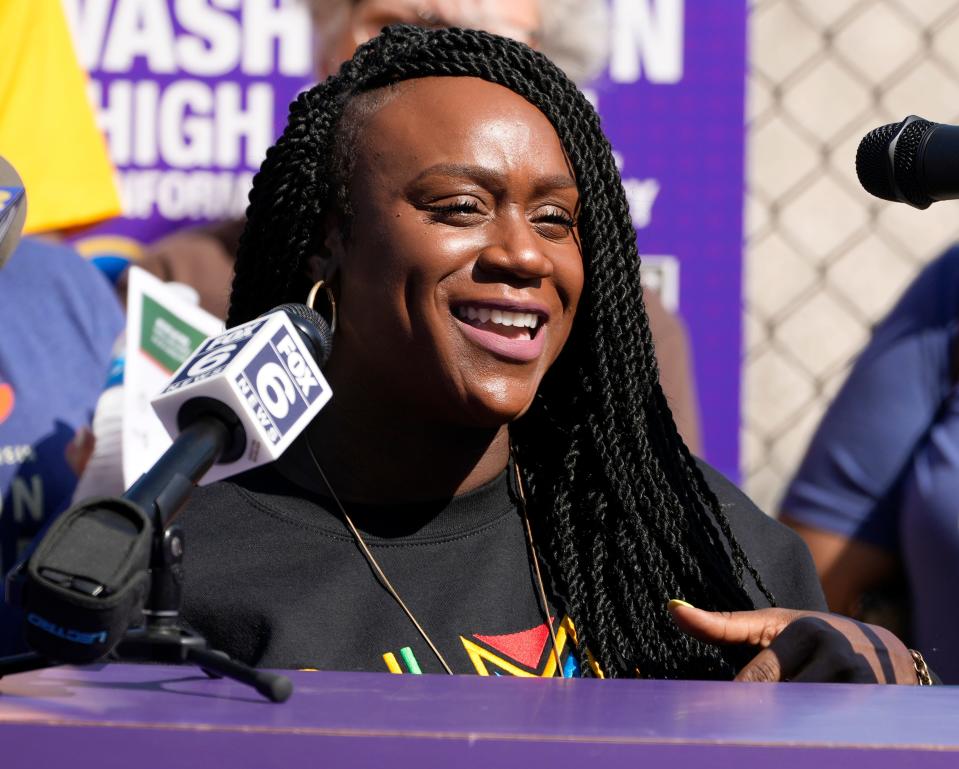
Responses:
[388,586]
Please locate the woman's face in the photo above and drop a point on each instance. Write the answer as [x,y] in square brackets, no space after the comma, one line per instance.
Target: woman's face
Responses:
[461,271]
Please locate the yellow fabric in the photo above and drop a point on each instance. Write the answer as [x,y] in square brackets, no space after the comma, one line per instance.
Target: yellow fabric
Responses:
[48,130]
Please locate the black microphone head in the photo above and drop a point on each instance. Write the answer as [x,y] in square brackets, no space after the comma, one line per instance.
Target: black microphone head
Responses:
[87,581]
[872,162]
[313,328]
[906,167]
[896,178]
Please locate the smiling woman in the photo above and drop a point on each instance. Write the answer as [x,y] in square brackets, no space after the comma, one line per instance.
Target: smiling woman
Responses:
[461,203]
[497,485]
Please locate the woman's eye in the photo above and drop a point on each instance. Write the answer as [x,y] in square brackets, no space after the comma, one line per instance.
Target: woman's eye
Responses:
[554,222]
[457,210]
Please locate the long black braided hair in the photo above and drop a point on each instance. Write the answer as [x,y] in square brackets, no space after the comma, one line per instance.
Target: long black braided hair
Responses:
[624,517]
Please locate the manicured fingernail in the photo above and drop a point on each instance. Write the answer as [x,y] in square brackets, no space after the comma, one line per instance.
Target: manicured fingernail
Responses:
[679,602]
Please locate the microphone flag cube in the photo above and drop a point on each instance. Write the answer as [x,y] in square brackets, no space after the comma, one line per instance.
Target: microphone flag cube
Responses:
[264,373]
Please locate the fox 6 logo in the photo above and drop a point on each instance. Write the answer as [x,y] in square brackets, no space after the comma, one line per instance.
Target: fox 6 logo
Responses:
[278,385]
[211,361]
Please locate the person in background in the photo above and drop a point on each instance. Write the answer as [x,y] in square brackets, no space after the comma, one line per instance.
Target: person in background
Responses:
[60,319]
[875,495]
[573,33]
[60,316]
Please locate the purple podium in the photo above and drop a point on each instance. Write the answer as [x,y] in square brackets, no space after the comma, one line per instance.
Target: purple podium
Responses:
[150,717]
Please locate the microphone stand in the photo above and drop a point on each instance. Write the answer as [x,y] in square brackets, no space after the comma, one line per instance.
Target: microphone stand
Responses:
[161,492]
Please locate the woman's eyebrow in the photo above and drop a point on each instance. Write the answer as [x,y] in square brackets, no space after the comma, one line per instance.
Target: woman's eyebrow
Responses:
[555,182]
[489,178]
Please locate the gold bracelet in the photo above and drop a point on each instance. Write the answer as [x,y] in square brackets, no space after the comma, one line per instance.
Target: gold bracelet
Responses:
[922,670]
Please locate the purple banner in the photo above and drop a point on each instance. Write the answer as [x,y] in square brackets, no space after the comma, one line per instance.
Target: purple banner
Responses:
[190,93]
[672,104]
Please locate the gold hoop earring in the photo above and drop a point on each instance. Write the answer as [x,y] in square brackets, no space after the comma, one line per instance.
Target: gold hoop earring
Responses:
[311,297]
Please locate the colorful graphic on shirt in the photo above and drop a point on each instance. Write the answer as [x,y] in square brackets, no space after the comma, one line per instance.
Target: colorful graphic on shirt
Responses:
[412,666]
[7,399]
[527,653]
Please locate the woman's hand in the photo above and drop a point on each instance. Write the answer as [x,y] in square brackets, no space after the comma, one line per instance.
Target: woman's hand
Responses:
[803,645]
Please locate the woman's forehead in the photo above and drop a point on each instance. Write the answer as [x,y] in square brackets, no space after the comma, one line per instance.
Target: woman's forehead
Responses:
[437,94]
[443,116]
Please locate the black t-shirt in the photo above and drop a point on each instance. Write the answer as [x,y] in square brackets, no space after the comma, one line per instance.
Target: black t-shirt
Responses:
[275,579]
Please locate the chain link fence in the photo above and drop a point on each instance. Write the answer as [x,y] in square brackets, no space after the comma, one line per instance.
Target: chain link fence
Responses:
[824,260]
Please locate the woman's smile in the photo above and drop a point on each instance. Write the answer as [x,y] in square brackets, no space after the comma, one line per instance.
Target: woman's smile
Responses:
[512,331]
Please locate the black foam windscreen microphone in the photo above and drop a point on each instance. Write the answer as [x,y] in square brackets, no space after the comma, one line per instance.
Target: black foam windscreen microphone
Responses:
[236,403]
[914,161]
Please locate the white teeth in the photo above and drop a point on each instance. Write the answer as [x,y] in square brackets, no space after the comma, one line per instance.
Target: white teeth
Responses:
[500,317]
[522,319]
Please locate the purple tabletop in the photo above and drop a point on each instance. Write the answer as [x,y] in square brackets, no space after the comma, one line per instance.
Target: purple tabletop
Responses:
[156,716]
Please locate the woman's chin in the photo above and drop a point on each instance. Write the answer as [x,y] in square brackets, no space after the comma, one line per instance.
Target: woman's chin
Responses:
[490,410]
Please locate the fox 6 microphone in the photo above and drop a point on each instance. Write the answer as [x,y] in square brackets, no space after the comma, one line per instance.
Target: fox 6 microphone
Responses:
[238,402]
[914,161]
[262,379]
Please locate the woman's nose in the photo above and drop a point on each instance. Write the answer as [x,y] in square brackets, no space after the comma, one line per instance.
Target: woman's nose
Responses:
[516,250]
